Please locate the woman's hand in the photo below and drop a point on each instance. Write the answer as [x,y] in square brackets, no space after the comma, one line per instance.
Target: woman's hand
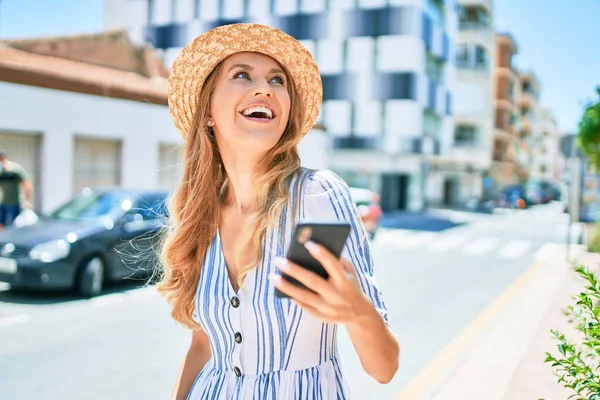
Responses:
[338,299]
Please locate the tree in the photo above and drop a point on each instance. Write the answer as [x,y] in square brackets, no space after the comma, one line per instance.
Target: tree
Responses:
[588,139]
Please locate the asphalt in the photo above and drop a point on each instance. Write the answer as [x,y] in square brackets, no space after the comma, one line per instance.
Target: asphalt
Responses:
[123,344]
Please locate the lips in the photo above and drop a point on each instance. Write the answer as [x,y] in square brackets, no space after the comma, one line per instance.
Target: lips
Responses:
[258,112]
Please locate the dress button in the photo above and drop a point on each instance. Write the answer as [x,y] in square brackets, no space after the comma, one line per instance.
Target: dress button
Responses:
[237,371]
[238,337]
[235,302]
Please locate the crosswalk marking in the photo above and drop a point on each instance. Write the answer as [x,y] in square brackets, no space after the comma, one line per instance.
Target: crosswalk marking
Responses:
[412,241]
[14,320]
[480,246]
[446,243]
[389,237]
[515,249]
[440,242]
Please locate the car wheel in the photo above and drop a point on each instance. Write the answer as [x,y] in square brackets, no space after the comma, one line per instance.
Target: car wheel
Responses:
[91,277]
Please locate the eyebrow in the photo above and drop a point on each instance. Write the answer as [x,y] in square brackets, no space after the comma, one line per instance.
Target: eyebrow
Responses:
[251,68]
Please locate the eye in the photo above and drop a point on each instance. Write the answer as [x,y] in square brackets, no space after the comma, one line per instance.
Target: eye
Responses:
[279,79]
[241,74]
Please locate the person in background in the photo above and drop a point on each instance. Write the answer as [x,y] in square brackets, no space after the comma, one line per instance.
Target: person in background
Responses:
[13,179]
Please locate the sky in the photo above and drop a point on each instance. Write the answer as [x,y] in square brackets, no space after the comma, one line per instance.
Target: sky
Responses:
[557,40]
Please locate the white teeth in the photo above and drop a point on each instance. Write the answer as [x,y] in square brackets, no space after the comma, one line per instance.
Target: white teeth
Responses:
[262,109]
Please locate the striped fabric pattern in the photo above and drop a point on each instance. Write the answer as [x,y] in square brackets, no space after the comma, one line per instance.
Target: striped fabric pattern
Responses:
[265,347]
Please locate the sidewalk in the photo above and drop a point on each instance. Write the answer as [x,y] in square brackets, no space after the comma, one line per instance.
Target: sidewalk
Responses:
[501,357]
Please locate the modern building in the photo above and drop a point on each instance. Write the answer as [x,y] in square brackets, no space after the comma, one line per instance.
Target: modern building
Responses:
[510,153]
[530,109]
[386,70]
[474,104]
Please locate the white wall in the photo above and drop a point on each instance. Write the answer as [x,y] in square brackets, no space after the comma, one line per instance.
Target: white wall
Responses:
[60,115]
[314,150]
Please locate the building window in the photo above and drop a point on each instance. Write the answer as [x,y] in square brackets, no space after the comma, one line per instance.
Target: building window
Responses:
[434,68]
[466,135]
[196,9]
[399,85]
[432,124]
[97,163]
[510,89]
[435,10]
[472,57]
[473,18]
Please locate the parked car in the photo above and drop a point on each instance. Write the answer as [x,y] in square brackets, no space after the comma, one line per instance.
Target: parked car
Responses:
[515,197]
[96,237]
[367,203]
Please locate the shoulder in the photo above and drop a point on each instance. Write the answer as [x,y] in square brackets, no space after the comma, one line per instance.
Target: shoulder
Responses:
[324,181]
[16,167]
[326,196]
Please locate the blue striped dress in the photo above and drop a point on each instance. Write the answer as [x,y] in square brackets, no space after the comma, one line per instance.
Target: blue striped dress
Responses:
[265,347]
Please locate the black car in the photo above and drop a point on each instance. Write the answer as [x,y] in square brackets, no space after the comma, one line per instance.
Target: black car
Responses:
[97,236]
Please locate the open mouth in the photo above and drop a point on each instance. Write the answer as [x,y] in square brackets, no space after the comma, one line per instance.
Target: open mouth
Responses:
[259,113]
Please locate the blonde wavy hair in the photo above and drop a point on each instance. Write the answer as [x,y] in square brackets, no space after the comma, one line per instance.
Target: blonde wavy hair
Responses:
[194,207]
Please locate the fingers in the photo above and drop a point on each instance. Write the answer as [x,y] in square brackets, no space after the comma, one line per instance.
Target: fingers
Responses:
[309,279]
[330,262]
[300,295]
[316,313]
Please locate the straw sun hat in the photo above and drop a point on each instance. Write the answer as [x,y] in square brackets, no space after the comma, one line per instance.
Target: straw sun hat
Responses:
[201,56]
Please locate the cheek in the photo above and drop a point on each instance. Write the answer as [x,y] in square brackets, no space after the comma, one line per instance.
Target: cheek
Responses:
[220,106]
[286,106]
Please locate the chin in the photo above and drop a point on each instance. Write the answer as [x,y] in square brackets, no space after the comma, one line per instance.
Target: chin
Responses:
[260,140]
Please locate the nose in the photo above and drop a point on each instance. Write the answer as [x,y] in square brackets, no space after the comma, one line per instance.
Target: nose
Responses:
[263,88]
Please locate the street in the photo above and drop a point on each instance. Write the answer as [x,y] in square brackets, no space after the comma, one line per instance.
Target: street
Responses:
[123,344]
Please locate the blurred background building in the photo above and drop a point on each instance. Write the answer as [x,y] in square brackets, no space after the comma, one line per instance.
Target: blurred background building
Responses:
[387,114]
[422,101]
[474,102]
[85,110]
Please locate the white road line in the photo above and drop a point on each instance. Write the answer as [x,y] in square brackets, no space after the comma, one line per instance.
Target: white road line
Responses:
[547,251]
[480,246]
[14,320]
[389,237]
[515,249]
[412,241]
[108,299]
[446,243]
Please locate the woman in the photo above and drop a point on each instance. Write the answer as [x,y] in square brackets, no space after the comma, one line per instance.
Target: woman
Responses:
[243,96]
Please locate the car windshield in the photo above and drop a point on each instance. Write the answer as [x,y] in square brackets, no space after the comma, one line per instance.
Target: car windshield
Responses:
[93,205]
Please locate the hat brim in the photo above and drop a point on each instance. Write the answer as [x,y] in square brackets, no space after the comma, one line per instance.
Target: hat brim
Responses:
[197,60]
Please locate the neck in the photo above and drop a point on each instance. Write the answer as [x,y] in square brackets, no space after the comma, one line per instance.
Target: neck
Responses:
[242,192]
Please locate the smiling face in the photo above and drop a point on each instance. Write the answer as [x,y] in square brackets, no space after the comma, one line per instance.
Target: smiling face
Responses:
[250,106]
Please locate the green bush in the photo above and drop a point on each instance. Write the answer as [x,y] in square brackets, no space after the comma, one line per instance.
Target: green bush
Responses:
[594,242]
[577,364]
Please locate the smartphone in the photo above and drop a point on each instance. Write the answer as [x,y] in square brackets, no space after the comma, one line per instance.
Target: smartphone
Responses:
[331,235]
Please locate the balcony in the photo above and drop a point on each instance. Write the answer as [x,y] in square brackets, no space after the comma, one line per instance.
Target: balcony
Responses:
[485,4]
[527,101]
[502,135]
[479,26]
